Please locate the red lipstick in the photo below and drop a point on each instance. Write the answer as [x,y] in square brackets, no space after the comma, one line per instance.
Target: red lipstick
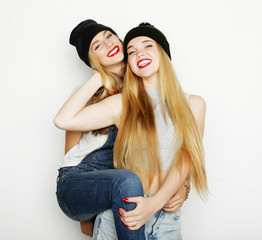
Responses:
[113,52]
[143,62]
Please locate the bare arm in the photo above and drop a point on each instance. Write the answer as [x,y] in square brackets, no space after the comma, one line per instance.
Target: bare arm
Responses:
[72,139]
[147,207]
[177,201]
[76,116]
[198,107]
[175,180]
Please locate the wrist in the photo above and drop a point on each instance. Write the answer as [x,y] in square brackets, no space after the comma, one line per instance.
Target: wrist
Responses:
[187,188]
[158,201]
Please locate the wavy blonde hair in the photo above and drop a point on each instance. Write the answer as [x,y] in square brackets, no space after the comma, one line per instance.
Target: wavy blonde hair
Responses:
[137,147]
[110,87]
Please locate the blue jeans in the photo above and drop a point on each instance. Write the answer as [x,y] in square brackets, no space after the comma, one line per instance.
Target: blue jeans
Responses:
[161,226]
[92,187]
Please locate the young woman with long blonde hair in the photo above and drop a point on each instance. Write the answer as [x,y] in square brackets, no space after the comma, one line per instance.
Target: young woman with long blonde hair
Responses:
[82,191]
[159,138]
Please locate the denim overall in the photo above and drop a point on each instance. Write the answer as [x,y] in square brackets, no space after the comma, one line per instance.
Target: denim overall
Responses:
[93,186]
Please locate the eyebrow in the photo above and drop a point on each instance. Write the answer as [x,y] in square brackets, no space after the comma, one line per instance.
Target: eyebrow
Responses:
[104,33]
[142,42]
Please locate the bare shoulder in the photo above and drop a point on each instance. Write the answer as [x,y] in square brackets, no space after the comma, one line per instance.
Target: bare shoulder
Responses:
[197,105]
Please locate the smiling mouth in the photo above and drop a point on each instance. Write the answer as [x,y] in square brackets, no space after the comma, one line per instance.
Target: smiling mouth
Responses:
[113,52]
[144,63]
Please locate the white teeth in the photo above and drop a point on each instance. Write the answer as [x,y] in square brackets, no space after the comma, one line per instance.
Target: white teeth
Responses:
[113,52]
[143,63]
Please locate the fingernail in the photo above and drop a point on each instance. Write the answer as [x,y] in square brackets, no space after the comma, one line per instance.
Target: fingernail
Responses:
[118,210]
[120,218]
[125,199]
[126,226]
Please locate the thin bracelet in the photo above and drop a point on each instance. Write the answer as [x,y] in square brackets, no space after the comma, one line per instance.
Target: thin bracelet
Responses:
[187,191]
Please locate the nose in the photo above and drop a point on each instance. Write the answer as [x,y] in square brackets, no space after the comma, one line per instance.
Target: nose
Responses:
[108,43]
[139,53]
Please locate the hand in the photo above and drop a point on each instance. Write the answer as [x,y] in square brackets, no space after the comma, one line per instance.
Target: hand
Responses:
[178,199]
[145,209]
[86,228]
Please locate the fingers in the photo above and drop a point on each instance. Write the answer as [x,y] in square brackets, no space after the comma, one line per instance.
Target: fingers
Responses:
[135,218]
[135,211]
[131,219]
[130,223]
[133,199]
[171,210]
[135,227]
[177,199]
[129,215]
[173,207]
[173,204]
[172,200]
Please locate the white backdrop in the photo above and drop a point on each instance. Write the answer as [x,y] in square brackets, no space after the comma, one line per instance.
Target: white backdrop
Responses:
[217,53]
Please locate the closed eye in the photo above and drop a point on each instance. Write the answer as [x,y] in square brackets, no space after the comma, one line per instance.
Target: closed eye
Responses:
[131,52]
[148,46]
[97,46]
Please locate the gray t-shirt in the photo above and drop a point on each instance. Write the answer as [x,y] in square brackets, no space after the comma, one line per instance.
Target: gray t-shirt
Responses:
[165,130]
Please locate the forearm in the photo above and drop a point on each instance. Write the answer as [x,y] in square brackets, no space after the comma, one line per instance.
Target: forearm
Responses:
[77,101]
[147,207]
[172,183]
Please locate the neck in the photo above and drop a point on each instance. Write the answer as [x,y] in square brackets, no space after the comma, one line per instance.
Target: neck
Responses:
[116,68]
[152,81]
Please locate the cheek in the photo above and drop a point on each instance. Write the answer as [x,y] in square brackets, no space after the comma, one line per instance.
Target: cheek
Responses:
[116,41]
[157,65]
[132,64]
[99,57]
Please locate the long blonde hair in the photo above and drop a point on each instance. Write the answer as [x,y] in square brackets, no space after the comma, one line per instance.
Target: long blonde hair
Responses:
[137,147]
[110,87]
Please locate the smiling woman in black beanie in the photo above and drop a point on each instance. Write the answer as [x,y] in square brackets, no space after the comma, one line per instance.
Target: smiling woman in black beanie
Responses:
[159,137]
[82,36]
[147,30]
[97,104]
[82,190]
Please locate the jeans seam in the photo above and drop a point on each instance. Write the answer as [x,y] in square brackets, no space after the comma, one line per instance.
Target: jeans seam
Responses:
[72,216]
[157,223]
[120,191]
[94,158]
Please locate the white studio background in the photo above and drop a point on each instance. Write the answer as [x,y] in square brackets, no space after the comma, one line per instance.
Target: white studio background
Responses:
[217,53]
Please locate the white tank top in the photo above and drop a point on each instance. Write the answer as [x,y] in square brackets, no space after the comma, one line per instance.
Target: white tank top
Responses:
[87,144]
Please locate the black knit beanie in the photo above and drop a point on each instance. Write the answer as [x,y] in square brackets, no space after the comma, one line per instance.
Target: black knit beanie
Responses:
[147,30]
[82,36]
